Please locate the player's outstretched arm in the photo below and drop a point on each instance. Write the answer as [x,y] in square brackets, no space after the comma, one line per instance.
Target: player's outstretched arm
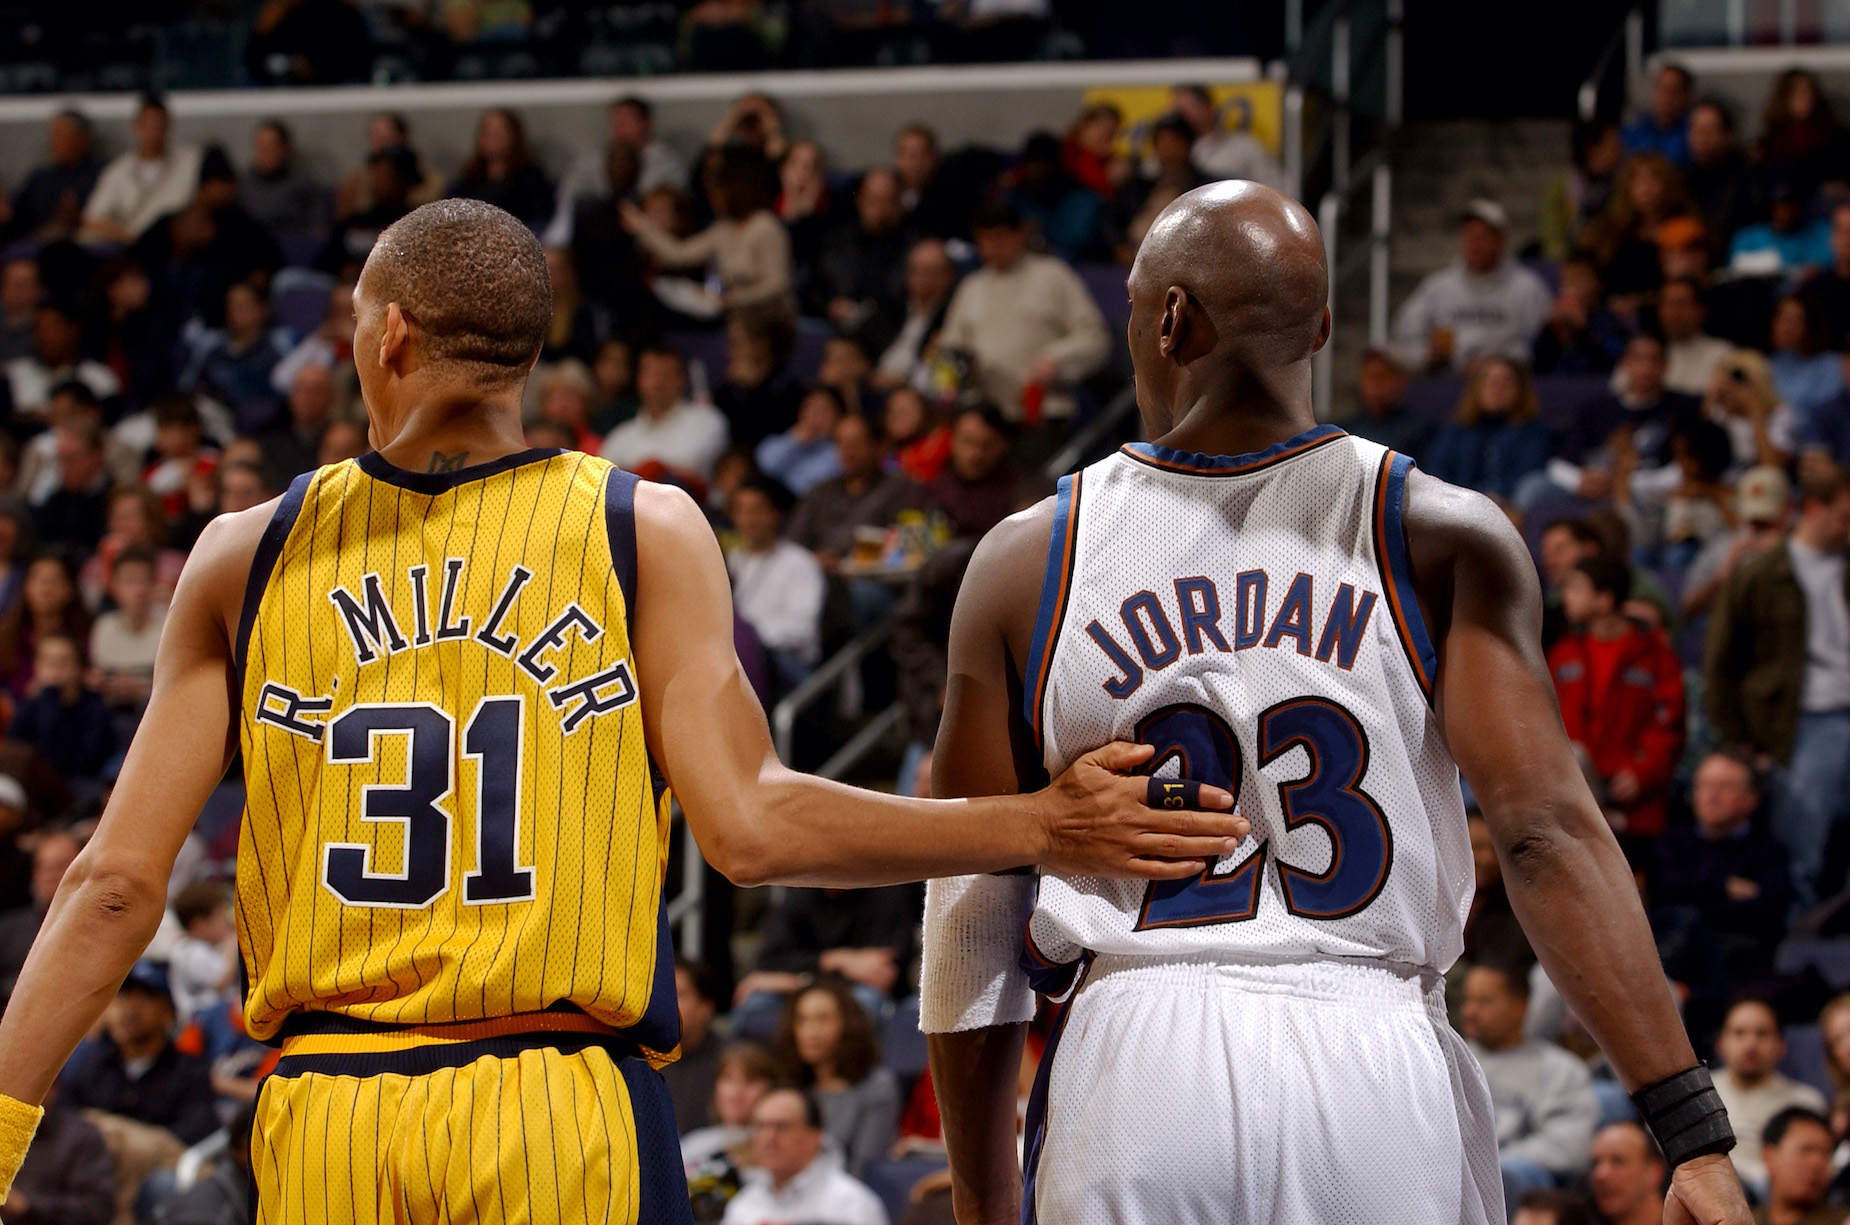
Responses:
[1567,880]
[759,822]
[112,898]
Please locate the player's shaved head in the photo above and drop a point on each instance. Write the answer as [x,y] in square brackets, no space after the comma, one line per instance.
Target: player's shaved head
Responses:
[1253,260]
[471,281]
[1228,297]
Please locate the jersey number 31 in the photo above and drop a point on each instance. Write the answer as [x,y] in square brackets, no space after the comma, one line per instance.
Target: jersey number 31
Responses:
[1205,749]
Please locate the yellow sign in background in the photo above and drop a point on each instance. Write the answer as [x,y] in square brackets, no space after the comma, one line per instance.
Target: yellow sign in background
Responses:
[1256,107]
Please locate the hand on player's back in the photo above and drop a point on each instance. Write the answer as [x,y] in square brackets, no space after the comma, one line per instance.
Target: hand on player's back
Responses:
[1098,822]
[1706,1191]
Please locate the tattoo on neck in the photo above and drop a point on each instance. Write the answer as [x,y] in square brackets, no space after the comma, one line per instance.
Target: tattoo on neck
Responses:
[439,462]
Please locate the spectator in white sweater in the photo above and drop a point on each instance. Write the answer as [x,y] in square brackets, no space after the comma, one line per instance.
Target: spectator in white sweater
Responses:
[1481,303]
[669,436]
[1542,1096]
[777,586]
[1751,1085]
[796,1181]
[143,185]
[1025,320]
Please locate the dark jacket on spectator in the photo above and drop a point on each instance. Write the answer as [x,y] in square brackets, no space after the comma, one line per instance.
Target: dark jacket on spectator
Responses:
[1638,722]
[1828,428]
[973,507]
[1692,871]
[77,738]
[810,922]
[1754,665]
[609,267]
[69,1178]
[826,519]
[1491,456]
[70,517]
[44,192]
[176,1093]
[525,193]
[1727,195]
[1595,422]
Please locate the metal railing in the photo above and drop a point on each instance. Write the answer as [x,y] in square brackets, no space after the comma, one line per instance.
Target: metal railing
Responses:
[823,681]
[1628,39]
[1332,46]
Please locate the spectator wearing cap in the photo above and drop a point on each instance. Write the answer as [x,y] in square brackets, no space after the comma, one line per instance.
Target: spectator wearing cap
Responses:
[777,586]
[1785,243]
[1170,173]
[1482,303]
[1620,688]
[1723,886]
[1664,127]
[1761,505]
[1221,152]
[49,204]
[1721,179]
[141,186]
[134,1070]
[1026,321]
[1777,670]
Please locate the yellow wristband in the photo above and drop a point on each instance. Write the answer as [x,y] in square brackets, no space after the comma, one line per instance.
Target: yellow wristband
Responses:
[17,1123]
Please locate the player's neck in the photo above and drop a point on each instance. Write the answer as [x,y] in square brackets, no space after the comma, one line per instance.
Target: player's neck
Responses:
[449,428]
[1243,413]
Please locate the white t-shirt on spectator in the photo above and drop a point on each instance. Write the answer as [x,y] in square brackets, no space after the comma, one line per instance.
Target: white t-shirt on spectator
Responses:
[31,382]
[197,973]
[1499,312]
[688,437]
[135,194]
[1750,1110]
[823,1194]
[1782,430]
[114,647]
[780,593]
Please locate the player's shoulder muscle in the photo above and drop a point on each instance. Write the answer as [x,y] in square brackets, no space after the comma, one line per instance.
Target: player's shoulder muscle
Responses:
[1468,556]
[1002,587]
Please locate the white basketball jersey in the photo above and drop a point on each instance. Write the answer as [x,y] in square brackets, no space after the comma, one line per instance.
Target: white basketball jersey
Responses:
[1253,617]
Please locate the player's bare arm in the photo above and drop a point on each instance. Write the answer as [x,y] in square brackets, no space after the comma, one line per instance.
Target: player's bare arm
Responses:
[983,749]
[111,900]
[759,822]
[1561,864]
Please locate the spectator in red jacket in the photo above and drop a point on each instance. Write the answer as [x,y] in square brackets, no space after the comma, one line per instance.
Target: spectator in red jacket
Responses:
[1621,694]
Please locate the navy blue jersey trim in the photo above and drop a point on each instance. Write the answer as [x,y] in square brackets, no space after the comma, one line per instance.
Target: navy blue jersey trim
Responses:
[1035,1124]
[661,1192]
[620,522]
[659,1027]
[269,549]
[433,483]
[1056,587]
[423,1060]
[1397,569]
[1196,463]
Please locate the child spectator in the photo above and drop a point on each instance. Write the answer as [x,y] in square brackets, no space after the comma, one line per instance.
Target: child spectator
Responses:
[65,720]
[1621,693]
[180,454]
[124,639]
[205,961]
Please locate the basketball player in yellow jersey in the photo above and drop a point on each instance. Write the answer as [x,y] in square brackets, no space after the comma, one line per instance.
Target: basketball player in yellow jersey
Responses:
[457,669]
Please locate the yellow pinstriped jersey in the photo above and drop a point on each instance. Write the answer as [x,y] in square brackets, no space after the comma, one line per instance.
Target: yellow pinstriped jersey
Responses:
[450,811]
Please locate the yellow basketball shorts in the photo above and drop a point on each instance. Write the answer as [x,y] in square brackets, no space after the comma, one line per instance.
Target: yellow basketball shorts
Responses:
[559,1127]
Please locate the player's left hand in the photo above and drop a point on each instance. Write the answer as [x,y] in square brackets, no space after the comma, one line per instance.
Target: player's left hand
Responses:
[1706,1191]
[1098,822]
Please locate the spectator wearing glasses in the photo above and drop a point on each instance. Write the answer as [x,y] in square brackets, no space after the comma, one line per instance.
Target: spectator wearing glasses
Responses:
[794,1180]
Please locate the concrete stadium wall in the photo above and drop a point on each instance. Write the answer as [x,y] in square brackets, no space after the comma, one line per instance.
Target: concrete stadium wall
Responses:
[852,113]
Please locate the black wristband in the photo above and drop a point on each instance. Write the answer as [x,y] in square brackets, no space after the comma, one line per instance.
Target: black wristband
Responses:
[1686,1115]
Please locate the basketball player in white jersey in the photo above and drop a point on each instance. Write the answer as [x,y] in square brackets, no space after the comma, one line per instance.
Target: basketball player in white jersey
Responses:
[1296,615]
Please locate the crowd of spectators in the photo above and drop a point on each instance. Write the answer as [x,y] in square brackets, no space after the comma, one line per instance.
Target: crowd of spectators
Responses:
[1654,392]
[857,373]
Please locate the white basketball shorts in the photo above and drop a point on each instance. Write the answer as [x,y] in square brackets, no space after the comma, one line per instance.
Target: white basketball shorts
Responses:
[1204,1093]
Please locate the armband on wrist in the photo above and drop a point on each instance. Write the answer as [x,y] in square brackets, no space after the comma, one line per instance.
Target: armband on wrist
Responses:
[18,1120]
[1686,1115]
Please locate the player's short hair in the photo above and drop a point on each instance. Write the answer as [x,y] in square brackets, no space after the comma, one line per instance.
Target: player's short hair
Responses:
[1785,1120]
[200,901]
[1609,576]
[472,278]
